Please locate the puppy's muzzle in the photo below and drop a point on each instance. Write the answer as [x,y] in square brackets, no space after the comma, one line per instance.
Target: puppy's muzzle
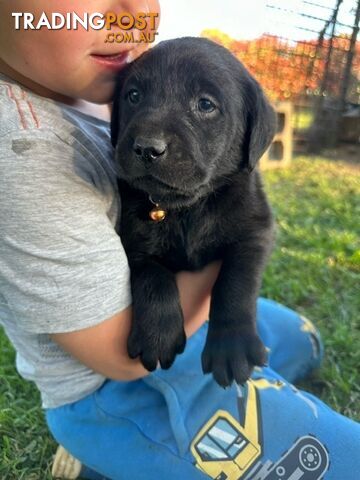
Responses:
[149,150]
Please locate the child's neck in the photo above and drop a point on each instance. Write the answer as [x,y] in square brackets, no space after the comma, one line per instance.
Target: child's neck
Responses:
[99,111]
[102,112]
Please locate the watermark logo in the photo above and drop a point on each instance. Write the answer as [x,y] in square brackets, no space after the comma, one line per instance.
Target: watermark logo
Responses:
[135,28]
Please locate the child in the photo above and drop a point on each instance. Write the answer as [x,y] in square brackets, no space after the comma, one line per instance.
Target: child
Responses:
[65,299]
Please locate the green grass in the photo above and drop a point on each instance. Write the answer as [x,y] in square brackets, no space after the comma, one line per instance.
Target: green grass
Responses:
[25,446]
[315,268]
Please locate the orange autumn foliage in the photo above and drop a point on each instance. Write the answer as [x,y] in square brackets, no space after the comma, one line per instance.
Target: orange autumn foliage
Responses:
[288,69]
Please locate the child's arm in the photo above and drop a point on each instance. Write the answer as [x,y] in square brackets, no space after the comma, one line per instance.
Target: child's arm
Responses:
[65,271]
[103,347]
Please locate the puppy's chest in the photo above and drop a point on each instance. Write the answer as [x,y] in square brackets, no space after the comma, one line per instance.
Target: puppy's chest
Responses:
[191,242]
[186,240]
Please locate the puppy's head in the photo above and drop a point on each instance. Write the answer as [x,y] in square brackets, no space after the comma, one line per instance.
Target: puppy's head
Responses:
[186,116]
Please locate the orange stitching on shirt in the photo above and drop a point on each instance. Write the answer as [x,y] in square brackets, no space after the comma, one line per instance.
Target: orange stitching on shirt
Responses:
[21,113]
[31,108]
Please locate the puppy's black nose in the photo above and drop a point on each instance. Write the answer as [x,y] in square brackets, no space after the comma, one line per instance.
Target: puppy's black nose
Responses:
[149,149]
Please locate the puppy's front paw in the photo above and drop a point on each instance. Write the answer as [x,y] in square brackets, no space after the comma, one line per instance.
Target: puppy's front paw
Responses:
[232,356]
[159,340]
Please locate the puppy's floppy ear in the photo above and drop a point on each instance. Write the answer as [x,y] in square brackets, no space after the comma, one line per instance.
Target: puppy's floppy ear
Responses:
[260,124]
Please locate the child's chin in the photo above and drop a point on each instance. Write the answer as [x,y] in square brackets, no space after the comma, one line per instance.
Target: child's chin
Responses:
[101,93]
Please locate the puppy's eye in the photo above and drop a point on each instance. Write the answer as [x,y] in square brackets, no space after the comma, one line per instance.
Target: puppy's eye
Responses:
[206,106]
[133,96]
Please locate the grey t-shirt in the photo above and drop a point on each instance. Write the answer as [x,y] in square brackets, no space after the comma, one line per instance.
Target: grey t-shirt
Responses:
[62,265]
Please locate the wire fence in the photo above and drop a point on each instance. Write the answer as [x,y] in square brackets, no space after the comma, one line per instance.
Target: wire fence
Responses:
[315,63]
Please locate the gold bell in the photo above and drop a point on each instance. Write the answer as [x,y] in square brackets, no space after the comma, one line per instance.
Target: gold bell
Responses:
[157,214]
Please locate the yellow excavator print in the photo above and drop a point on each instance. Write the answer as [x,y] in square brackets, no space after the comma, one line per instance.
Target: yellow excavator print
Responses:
[229,449]
[224,448]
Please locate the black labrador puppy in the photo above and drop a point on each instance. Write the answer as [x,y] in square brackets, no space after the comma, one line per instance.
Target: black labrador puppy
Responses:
[189,125]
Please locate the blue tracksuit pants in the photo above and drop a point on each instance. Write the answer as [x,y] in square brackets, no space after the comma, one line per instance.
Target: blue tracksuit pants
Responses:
[179,424]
